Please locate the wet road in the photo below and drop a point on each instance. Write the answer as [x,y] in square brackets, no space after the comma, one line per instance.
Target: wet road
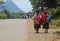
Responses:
[13,30]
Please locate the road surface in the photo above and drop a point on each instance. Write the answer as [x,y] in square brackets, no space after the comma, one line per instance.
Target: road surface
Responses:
[13,30]
[22,30]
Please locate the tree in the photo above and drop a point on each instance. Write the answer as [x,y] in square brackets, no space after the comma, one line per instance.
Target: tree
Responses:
[3,15]
[7,13]
[1,1]
[38,3]
[50,3]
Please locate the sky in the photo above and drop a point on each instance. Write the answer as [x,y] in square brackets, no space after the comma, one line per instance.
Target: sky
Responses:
[25,5]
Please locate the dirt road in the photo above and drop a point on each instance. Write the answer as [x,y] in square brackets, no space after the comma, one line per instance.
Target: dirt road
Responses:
[41,36]
[13,30]
[22,30]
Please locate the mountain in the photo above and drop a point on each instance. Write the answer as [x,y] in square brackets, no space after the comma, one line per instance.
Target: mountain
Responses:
[12,7]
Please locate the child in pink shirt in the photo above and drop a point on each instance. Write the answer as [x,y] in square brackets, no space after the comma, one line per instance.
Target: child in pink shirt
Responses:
[37,21]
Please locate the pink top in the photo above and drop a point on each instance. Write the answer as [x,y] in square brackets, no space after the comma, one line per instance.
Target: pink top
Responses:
[36,19]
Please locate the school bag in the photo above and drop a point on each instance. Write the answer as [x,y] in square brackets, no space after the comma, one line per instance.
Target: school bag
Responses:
[48,19]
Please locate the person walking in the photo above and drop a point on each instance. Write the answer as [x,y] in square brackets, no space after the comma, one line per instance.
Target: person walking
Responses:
[37,21]
[45,20]
[44,16]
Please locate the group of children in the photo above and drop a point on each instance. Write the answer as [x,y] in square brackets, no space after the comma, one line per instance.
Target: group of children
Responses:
[43,20]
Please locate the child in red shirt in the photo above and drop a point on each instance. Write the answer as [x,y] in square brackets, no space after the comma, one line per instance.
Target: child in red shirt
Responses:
[44,19]
[37,22]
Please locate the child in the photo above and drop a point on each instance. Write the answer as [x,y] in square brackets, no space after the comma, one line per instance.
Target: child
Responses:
[46,25]
[37,20]
[45,21]
[44,15]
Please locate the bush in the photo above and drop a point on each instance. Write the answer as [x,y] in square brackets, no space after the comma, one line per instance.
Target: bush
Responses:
[53,11]
[7,13]
[15,16]
[3,15]
[54,21]
[58,32]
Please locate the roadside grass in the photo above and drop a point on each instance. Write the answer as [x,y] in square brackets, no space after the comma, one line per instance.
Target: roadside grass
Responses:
[58,31]
[53,23]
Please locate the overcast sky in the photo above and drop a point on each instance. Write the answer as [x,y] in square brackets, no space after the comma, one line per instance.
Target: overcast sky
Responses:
[25,5]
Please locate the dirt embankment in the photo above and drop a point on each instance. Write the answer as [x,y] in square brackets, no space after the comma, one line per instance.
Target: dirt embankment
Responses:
[41,36]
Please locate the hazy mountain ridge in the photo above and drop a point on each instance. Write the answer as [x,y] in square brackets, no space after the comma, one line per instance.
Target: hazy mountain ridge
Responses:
[10,5]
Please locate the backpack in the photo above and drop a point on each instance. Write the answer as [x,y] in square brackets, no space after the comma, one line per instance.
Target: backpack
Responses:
[48,19]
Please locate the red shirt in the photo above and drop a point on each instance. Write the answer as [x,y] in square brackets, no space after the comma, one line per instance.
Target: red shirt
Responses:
[36,19]
[44,16]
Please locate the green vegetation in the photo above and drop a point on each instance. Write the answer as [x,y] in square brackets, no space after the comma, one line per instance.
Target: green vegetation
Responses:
[55,21]
[8,15]
[36,4]
[43,3]
[1,1]
[3,15]
[53,8]
[53,11]
[58,32]
[16,16]
[50,3]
